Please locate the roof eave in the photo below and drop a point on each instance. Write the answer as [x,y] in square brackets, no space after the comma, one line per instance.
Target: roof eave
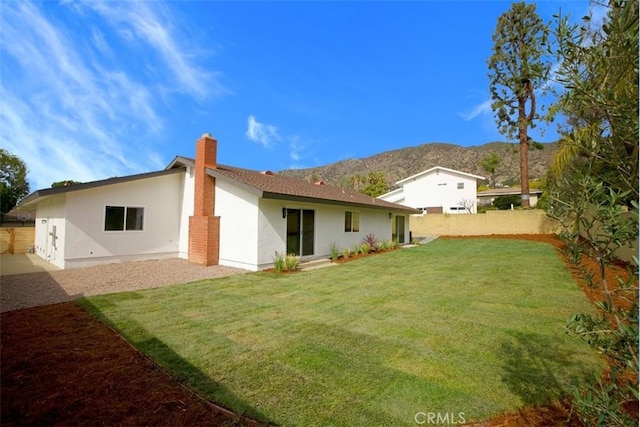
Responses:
[39,195]
[291,197]
[419,174]
[180,161]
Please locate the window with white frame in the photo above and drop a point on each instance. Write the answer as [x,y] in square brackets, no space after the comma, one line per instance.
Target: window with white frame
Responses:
[351,222]
[123,218]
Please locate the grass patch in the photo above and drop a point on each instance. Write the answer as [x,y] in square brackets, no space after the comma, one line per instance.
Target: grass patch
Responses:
[473,326]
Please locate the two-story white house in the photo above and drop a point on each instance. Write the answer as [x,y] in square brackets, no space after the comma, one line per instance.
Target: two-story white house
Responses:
[437,190]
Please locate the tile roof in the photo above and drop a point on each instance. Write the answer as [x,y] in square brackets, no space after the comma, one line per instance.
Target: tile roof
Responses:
[274,186]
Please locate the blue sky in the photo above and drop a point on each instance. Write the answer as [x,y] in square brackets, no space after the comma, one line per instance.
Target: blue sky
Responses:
[91,90]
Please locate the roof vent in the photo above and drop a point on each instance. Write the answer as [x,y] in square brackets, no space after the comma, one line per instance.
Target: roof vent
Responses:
[319,183]
[268,173]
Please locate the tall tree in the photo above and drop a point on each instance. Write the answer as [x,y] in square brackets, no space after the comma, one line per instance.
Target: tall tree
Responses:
[357,181]
[517,68]
[13,180]
[490,164]
[376,184]
[595,175]
[600,69]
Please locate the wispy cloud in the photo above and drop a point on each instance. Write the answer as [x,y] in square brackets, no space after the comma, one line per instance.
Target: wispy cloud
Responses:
[151,23]
[483,108]
[80,109]
[262,133]
[296,148]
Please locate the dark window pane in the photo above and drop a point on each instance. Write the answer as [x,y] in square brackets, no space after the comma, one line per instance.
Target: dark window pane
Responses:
[114,218]
[308,233]
[347,221]
[134,218]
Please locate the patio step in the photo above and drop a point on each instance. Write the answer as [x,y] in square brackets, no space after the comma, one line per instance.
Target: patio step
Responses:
[315,264]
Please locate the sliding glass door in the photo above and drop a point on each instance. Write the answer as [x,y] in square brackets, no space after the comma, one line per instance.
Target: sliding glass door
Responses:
[300,231]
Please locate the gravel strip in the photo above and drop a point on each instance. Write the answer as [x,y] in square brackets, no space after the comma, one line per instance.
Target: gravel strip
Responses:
[36,289]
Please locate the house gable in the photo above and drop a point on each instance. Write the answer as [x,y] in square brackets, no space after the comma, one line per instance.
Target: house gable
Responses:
[437,190]
[437,170]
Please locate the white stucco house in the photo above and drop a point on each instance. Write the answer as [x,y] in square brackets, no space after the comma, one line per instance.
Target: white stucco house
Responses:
[207,213]
[437,190]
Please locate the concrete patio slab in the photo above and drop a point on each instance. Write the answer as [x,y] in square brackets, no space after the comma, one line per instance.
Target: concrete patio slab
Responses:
[23,264]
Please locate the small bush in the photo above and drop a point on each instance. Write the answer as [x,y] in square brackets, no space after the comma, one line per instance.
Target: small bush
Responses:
[278,262]
[504,203]
[394,244]
[335,251]
[382,246]
[365,248]
[285,263]
[291,262]
[346,253]
[356,249]
[371,240]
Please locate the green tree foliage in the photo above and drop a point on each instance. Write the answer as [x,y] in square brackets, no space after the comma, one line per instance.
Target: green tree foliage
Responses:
[376,184]
[490,164]
[601,105]
[13,180]
[504,203]
[373,184]
[357,182]
[593,181]
[64,183]
[516,69]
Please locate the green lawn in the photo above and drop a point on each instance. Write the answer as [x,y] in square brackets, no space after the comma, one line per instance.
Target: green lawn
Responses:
[473,326]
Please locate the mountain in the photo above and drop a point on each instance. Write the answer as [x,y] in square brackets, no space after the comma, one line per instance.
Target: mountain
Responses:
[399,164]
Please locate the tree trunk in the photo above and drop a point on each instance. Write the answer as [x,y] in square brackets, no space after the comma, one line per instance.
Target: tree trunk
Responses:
[524,153]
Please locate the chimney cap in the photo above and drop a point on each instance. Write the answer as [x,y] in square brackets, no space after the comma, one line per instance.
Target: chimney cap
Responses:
[206,135]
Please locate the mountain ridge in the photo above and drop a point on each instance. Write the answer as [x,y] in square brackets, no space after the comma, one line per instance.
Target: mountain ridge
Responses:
[401,163]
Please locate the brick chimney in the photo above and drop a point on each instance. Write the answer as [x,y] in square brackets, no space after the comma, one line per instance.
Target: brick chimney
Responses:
[204,227]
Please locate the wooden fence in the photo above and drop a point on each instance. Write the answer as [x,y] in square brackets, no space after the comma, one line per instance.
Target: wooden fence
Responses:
[16,240]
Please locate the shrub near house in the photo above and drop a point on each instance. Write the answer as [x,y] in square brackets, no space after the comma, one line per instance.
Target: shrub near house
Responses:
[504,203]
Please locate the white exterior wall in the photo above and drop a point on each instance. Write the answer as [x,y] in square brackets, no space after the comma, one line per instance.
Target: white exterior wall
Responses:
[187,196]
[238,212]
[329,228]
[51,213]
[251,228]
[439,188]
[395,196]
[86,241]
